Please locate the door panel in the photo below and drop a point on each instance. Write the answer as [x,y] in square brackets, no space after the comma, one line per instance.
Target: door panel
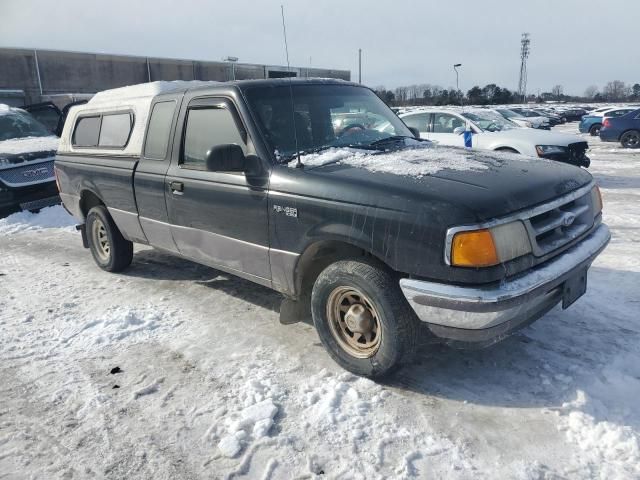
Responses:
[150,176]
[217,218]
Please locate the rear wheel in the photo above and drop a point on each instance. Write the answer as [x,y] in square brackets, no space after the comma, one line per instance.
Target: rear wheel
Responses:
[630,139]
[362,318]
[594,131]
[110,250]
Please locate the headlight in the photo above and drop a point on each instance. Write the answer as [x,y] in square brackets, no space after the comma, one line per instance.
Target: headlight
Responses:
[488,246]
[4,161]
[596,200]
[550,150]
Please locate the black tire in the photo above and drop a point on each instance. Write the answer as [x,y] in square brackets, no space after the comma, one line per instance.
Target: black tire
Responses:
[630,139]
[110,250]
[397,325]
[594,131]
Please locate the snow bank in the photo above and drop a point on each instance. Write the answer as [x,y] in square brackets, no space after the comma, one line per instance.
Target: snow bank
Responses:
[50,217]
[414,162]
[15,146]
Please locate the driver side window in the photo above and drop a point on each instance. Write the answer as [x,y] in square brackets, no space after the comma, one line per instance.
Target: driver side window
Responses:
[446,123]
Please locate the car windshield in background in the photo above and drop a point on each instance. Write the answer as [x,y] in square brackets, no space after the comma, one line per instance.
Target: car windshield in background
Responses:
[509,113]
[325,116]
[19,124]
[489,121]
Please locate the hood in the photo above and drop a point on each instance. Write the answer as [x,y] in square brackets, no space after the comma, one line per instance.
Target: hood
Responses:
[472,185]
[539,137]
[17,146]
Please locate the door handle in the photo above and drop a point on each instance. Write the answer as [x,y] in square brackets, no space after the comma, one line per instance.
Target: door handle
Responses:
[176,187]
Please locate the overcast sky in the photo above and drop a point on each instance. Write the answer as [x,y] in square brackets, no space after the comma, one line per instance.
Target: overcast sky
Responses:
[575,43]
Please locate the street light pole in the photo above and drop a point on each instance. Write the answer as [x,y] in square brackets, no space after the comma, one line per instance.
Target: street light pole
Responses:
[455,67]
[359,65]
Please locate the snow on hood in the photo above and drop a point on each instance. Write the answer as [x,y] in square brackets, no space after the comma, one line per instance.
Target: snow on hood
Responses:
[414,162]
[29,144]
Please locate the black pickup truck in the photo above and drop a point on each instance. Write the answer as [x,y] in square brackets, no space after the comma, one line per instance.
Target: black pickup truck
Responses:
[316,189]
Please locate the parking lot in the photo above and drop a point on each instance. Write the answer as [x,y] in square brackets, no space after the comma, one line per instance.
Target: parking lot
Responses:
[208,383]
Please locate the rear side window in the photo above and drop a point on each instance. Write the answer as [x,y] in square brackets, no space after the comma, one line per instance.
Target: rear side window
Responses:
[86,132]
[206,128]
[419,121]
[159,130]
[115,130]
[107,131]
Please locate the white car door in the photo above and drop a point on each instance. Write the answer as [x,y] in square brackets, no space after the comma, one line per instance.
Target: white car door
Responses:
[443,128]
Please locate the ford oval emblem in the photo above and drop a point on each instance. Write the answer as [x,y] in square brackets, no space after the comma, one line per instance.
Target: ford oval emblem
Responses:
[568,219]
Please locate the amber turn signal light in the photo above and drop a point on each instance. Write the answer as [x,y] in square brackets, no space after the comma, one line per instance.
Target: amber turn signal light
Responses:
[474,249]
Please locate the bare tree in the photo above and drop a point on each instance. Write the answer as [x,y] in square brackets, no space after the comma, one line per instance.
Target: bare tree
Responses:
[615,91]
[557,92]
[591,91]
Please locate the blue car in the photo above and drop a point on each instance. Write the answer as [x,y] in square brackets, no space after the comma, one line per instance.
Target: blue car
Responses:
[593,123]
[624,129]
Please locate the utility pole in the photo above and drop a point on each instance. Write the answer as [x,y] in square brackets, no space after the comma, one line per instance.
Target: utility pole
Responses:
[524,54]
[359,65]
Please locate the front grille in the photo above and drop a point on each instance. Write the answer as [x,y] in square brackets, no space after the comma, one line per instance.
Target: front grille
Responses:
[28,174]
[553,228]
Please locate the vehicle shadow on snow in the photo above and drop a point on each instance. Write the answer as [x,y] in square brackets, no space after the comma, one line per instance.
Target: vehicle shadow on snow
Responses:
[611,182]
[156,265]
[537,367]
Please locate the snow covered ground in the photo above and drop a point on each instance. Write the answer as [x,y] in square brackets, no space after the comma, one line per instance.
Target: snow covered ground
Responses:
[212,386]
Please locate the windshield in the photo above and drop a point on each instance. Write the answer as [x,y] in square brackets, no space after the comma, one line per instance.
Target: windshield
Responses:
[324,115]
[509,113]
[19,124]
[489,121]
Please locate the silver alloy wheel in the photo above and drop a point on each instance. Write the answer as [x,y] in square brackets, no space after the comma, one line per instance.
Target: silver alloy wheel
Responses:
[100,240]
[354,322]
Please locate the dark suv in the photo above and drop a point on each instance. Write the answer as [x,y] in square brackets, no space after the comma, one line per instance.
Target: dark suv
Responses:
[27,151]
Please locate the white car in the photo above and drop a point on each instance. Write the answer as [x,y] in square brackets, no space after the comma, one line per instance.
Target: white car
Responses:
[491,131]
[519,119]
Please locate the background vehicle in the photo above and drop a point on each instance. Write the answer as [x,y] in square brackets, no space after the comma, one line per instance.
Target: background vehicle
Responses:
[624,129]
[535,118]
[518,118]
[493,132]
[27,150]
[592,123]
[212,173]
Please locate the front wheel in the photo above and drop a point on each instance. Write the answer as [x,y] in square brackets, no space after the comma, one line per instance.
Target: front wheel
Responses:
[630,139]
[594,131]
[362,318]
[110,250]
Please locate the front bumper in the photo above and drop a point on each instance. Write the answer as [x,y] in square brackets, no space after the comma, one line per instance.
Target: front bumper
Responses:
[32,197]
[488,313]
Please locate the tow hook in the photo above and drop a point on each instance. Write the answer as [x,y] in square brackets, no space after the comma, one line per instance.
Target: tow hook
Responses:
[83,231]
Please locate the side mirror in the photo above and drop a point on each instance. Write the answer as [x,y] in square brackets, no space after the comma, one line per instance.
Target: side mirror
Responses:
[458,130]
[415,131]
[225,158]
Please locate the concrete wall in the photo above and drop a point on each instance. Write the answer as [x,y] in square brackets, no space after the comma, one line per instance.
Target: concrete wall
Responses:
[73,72]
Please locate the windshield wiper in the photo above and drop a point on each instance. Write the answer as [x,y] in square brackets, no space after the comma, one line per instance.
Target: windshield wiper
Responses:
[392,139]
[288,158]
